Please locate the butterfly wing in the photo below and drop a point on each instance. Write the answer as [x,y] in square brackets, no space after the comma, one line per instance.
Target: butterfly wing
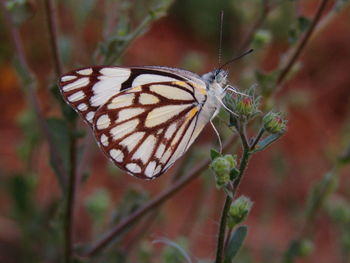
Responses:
[144,118]
[145,129]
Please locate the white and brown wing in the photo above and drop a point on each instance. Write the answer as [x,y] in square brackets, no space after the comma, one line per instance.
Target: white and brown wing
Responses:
[144,130]
[144,118]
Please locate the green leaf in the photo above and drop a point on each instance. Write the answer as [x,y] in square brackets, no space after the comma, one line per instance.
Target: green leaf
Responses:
[67,111]
[345,157]
[21,188]
[236,243]
[320,191]
[97,205]
[61,138]
[234,173]
[29,125]
[266,142]
[214,154]
[298,249]
[174,252]
[292,36]
[303,23]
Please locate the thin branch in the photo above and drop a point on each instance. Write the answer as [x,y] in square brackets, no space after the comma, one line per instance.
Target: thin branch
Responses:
[52,27]
[29,84]
[152,15]
[301,45]
[155,202]
[257,138]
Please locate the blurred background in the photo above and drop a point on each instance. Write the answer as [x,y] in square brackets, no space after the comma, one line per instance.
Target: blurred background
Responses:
[283,181]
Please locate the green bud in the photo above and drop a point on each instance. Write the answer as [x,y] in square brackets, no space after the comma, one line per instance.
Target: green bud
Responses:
[245,106]
[221,167]
[305,248]
[261,38]
[98,203]
[239,210]
[232,159]
[339,210]
[274,123]
[222,180]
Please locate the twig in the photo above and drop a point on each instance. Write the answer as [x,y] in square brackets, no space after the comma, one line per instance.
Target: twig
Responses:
[29,82]
[52,26]
[257,138]
[155,202]
[301,45]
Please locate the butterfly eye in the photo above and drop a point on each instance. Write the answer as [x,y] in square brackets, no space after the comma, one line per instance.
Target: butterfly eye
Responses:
[220,76]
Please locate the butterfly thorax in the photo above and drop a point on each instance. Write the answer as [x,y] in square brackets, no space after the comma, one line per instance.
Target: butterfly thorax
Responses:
[216,82]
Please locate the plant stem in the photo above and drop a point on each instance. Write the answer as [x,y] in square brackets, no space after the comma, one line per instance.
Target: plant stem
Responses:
[301,45]
[70,203]
[52,27]
[151,205]
[72,179]
[29,85]
[222,228]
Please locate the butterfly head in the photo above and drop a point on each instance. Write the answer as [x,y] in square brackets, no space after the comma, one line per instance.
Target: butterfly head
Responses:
[216,77]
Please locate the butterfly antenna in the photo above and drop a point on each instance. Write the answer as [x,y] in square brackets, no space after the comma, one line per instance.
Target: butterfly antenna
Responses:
[220,40]
[218,135]
[234,59]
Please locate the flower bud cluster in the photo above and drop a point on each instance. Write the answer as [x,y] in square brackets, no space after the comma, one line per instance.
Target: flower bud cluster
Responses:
[274,123]
[239,210]
[222,167]
[246,106]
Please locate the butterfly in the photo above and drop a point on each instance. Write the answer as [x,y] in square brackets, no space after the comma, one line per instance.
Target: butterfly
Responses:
[144,118]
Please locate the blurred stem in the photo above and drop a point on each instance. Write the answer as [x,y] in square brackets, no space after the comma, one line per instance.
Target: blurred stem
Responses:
[247,39]
[301,45]
[324,189]
[52,27]
[153,15]
[71,198]
[28,82]
[151,205]
[72,179]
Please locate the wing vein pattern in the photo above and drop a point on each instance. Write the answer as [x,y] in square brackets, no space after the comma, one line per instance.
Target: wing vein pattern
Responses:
[143,118]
